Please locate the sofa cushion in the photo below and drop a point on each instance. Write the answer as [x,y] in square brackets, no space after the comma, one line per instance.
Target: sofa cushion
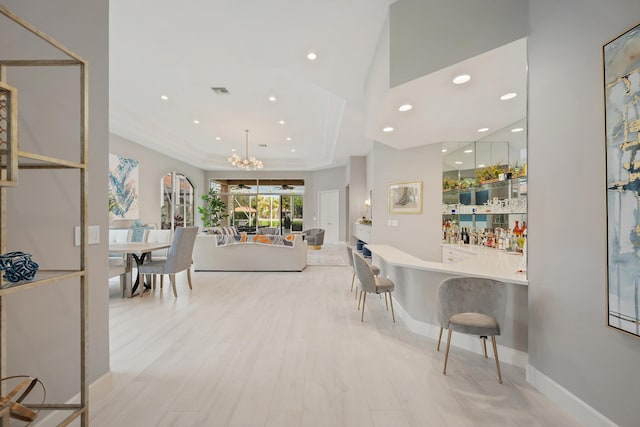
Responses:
[208,255]
[225,230]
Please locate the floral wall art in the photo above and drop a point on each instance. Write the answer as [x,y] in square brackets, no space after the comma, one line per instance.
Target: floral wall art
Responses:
[123,187]
[622,123]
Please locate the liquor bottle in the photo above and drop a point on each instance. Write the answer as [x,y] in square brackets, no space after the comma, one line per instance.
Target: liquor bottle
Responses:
[522,240]
[513,243]
[516,229]
[524,228]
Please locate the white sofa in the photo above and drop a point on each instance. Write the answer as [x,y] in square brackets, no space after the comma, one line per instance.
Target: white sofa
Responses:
[208,256]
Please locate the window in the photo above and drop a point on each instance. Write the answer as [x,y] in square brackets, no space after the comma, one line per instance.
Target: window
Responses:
[177,201]
[256,203]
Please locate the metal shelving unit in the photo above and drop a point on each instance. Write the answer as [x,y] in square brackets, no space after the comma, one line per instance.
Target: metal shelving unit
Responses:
[12,162]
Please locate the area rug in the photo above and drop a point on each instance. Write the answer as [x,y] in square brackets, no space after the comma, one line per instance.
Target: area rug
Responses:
[329,254]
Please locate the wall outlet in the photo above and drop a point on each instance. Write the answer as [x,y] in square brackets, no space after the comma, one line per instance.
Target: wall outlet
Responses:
[93,236]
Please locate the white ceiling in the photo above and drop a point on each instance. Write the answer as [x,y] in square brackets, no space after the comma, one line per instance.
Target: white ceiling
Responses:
[258,48]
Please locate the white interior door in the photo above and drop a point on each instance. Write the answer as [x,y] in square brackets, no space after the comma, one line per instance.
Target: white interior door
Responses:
[329,218]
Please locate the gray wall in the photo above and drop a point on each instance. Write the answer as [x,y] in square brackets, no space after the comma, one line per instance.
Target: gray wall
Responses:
[43,324]
[153,167]
[428,35]
[417,234]
[569,339]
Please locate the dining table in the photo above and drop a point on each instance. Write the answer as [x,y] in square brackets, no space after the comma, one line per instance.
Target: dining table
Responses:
[135,252]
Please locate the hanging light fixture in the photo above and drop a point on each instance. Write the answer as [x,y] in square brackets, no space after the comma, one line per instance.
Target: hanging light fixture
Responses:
[249,163]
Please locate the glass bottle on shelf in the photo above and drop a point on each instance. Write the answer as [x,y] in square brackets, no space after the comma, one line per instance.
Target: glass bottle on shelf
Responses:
[465,236]
[516,229]
[490,239]
[522,239]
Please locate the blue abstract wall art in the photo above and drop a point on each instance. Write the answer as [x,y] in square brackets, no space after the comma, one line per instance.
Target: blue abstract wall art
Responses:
[622,127]
[123,187]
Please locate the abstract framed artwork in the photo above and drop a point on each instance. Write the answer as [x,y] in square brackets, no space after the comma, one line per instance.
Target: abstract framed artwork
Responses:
[621,63]
[123,187]
[405,198]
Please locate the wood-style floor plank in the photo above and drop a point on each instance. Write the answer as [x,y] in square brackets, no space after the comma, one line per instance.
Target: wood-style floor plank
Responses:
[288,349]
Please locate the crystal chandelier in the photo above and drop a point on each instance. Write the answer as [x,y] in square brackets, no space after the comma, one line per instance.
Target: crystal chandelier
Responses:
[249,163]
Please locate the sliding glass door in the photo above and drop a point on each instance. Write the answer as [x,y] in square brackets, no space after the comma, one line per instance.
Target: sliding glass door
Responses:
[253,204]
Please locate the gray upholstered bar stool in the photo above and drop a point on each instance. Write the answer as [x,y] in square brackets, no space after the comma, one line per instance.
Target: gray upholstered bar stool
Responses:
[474,306]
[375,268]
[372,284]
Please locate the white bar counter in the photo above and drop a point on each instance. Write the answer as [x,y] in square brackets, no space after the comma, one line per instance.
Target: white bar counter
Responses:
[416,284]
[480,262]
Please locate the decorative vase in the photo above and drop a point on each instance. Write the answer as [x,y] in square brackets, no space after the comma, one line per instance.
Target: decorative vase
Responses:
[18,266]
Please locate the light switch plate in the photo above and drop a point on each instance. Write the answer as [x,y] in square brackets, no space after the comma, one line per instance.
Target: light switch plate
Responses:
[93,236]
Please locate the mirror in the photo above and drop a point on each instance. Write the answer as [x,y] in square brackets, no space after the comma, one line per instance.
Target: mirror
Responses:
[484,184]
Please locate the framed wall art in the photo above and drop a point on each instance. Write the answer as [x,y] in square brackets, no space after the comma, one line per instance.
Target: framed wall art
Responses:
[621,63]
[123,187]
[405,197]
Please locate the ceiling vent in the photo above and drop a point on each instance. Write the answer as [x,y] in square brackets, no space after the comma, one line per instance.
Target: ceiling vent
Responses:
[220,90]
[262,145]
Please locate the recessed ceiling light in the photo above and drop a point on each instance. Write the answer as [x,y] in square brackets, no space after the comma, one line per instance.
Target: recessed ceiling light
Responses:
[468,151]
[387,129]
[483,129]
[463,78]
[217,138]
[293,150]
[281,122]
[164,97]
[508,96]
[458,163]
[272,98]
[288,138]
[405,107]
[196,122]
[312,56]
[444,150]
[233,149]
[481,165]
[517,130]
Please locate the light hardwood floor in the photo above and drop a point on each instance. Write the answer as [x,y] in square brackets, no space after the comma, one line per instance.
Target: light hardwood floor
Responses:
[288,349]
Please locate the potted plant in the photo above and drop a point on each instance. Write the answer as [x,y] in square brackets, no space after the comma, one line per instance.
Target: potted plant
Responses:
[214,210]
[489,173]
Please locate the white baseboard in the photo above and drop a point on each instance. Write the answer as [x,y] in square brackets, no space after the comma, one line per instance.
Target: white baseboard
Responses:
[467,342]
[97,390]
[569,402]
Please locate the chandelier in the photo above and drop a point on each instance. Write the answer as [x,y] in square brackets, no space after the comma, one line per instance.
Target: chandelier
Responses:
[248,163]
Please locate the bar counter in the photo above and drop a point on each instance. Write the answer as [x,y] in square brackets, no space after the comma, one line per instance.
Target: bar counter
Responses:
[478,262]
[417,282]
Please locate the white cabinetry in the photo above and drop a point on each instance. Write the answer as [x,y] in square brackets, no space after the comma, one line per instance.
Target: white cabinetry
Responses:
[362,232]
